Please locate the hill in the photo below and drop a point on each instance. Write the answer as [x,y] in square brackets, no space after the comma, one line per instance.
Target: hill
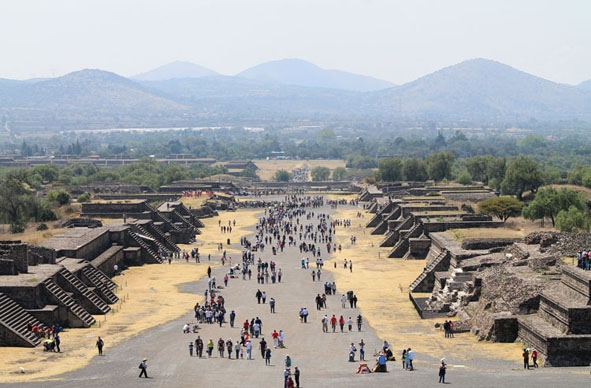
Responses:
[482,89]
[175,70]
[83,99]
[478,90]
[585,85]
[302,73]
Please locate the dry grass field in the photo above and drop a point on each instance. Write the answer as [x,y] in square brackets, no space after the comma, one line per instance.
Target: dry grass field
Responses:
[267,168]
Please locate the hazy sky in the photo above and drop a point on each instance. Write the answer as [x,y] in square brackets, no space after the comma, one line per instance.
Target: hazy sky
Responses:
[394,40]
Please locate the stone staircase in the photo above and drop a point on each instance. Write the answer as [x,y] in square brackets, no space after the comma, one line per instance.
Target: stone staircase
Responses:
[156,245]
[14,319]
[171,245]
[561,328]
[91,302]
[401,247]
[93,276]
[152,256]
[161,217]
[420,284]
[81,317]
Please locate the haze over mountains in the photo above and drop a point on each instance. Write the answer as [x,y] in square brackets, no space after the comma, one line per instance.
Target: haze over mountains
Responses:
[184,94]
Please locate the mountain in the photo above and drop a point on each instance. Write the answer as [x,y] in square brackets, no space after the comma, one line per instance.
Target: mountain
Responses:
[477,90]
[482,89]
[585,85]
[302,73]
[84,99]
[175,70]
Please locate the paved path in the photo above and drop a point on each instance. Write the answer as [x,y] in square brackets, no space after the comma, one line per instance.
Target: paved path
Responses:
[321,357]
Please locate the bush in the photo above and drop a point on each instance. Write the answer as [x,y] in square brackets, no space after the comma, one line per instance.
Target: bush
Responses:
[42,227]
[85,197]
[17,228]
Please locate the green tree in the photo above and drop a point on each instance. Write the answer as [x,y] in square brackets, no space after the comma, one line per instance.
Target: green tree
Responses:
[15,199]
[486,167]
[523,173]
[62,197]
[464,178]
[439,165]
[282,176]
[414,169]
[571,220]
[501,207]
[320,174]
[549,202]
[339,173]
[389,170]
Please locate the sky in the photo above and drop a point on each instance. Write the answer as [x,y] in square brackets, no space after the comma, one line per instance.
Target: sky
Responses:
[394,40]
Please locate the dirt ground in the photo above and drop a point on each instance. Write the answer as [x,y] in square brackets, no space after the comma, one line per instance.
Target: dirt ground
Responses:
[151,295]
[267,168]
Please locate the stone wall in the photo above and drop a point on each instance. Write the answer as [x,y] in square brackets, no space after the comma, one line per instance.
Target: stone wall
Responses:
[8,267]
[18,252]
[505,329]
[41,255]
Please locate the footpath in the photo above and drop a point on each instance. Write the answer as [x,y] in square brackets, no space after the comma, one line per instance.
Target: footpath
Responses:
[321,357]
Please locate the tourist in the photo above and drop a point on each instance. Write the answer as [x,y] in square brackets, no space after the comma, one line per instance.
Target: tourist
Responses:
[442,369]
[272,305]
[342,323]
[296,375]
[57,341]
[144,366]
[350,324]
[343,301]
[263,347]
[99,344]
[267,356]
[281,339]
[525,355]
[534,358]
[359,322]
[209,348]
[221,347]
[411,356]
[199,346]
[191,345]
[361,350]
[248,350]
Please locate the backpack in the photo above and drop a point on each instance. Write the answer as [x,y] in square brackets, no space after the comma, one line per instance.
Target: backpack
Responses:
[140,366]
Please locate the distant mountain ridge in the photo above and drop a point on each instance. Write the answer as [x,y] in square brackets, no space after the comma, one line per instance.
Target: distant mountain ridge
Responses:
[175,70]
[483,89]
[302,73]
[477,90]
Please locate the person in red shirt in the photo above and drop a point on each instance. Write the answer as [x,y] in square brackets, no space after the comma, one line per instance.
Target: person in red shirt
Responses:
[342,323]
[333,323]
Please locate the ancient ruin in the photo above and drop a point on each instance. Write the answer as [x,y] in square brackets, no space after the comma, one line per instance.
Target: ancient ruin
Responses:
[67,278]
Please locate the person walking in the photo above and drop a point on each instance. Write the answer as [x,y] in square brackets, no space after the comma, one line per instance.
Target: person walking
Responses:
[411,356]
[144,366]
[99,344]
[534,358]
[272,305]
[442,370]
[525,355]
[344,301]
[191,346]
[359,322]
[268,356]
[199,347]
